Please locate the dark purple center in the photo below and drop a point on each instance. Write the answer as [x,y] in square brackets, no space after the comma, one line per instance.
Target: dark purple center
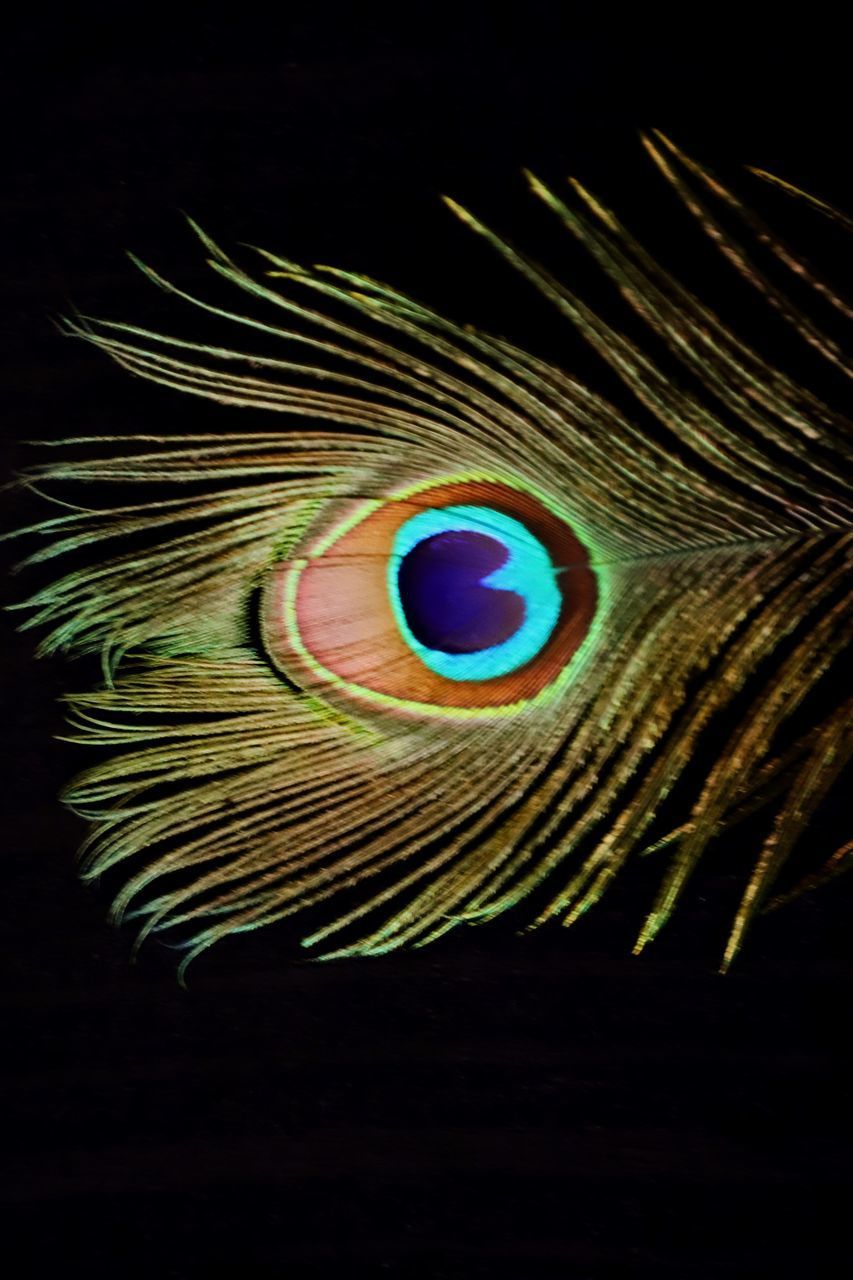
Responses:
[445,603]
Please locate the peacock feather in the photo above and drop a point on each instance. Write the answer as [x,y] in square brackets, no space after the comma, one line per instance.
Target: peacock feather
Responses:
[453,636]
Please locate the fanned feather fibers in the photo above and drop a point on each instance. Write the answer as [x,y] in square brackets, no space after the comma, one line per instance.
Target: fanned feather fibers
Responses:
[235,799]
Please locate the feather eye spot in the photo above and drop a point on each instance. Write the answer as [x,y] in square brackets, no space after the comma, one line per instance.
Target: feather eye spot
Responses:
[443,598]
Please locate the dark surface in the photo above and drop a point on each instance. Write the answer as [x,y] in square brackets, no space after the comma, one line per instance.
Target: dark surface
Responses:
[542,1106]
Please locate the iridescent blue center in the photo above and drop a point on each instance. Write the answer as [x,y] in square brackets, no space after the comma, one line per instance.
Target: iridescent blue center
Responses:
[446,603]
[473,591]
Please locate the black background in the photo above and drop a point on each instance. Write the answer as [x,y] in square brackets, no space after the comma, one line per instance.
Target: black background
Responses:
[540,1106]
